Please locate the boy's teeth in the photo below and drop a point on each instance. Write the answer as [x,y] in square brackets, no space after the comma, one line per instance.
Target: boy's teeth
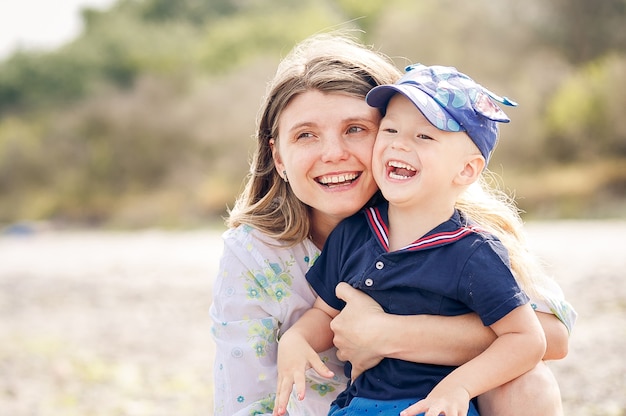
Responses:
[400,170]
[396,176]
[396,164]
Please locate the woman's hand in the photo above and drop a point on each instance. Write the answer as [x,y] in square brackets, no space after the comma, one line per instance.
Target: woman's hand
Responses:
[364,334]
[357,336]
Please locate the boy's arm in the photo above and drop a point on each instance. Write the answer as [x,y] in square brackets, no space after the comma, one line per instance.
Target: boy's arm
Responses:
[298,351]
[519,347]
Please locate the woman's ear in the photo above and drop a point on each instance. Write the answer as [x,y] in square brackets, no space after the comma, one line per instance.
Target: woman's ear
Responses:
[471,171]
[278,163]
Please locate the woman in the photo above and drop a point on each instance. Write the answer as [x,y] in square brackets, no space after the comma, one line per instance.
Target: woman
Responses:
[311,169]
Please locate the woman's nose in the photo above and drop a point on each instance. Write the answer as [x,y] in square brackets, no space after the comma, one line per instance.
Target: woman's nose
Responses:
[334,149]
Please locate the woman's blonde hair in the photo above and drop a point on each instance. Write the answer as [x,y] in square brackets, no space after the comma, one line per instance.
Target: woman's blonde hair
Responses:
[496,212]
[330,63]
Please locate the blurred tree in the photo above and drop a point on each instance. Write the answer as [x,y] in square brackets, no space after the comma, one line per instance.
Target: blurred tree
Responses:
[364,14]
[157,98]
[265,28]
[197,12]
[32,80]
[584,30]
[21,155]
[585,116]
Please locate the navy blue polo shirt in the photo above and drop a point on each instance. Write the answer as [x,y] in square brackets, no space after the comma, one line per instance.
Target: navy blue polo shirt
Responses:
[454,269]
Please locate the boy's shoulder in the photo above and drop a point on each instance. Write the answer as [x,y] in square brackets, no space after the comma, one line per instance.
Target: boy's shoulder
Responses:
[479,232]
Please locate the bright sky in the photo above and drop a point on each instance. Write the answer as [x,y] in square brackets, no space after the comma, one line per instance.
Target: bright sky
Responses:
[41,24]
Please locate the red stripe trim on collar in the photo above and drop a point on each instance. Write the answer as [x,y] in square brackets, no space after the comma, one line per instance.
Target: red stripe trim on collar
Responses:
[379,226]
[382,233]
[440,238]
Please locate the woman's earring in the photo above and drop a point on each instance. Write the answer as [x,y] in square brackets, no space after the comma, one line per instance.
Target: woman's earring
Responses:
[285,176]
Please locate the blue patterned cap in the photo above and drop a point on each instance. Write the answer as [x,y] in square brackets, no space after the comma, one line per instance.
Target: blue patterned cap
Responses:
[451,101]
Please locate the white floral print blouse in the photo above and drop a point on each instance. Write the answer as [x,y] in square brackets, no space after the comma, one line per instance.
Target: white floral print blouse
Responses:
[259,292]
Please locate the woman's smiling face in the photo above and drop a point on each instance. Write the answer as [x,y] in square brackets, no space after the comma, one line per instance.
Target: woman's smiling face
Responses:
[324,145]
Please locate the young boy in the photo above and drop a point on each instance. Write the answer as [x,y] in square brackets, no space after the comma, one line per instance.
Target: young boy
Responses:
[417,254]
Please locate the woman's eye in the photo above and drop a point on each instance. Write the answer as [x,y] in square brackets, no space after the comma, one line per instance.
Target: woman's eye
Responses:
[355,129]
[304,135]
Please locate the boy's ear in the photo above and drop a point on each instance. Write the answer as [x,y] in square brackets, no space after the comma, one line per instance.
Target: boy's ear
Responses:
[471,171]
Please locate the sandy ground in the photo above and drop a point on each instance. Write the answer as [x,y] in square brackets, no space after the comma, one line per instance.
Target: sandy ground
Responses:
[117,323]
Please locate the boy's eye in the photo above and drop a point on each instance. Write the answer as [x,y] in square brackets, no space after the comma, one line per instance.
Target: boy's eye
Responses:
[424,136]
[389,130]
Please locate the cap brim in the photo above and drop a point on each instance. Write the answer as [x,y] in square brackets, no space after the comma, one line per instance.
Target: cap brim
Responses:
[379,97]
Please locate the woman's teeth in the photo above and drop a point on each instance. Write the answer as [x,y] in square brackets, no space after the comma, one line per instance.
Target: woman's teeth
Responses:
[337,179]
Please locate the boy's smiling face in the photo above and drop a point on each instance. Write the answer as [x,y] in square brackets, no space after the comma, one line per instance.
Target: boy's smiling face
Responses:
[414,163]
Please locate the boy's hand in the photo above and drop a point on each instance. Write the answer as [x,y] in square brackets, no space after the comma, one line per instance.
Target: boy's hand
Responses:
[295,356]
[450,401]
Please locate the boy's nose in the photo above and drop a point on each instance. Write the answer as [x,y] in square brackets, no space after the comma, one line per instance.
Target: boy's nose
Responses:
[400,142]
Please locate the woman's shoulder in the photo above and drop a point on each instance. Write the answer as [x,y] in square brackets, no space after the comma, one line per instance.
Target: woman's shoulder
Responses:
[245,233]
[248,238]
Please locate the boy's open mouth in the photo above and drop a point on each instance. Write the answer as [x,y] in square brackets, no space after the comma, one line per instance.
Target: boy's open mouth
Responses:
[400,170]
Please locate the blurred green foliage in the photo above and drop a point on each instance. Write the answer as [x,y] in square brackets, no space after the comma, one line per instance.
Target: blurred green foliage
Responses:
[146,118]
[583,114]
